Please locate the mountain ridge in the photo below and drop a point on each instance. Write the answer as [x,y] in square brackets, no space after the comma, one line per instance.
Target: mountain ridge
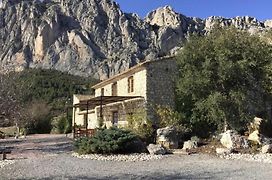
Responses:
[95,37]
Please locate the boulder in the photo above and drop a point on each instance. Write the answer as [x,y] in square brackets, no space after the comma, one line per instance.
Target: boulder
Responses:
[223,151]
[267,148]
[167,137]
[156,149]
[255,125]
[266,140]
[189,145]
[255,137]
[232,140]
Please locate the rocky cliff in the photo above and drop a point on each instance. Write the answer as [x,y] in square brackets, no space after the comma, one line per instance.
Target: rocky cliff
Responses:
[94,37]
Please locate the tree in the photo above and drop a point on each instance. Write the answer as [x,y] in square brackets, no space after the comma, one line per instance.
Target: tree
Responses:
[10,107]
[224,80]
[38,119]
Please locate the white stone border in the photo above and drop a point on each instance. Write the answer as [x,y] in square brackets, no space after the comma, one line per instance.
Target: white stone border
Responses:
[264,158]
[120,157]
[6,162]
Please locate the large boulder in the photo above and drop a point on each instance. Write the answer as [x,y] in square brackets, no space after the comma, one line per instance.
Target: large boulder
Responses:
[267,148]
[223,151]
[255,125]
[232,140]
[167,137]
[255,137]
[156,149]
[189,145]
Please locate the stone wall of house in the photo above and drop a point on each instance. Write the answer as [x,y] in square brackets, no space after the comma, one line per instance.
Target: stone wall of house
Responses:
[161,85]
[155,82]
[139,78]
[124,109]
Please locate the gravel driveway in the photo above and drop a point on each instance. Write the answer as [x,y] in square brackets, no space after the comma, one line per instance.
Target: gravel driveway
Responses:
[51,159]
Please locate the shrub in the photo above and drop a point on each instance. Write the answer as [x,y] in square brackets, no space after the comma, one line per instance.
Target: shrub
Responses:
[38,118]
[141,126]
[109,141]
[61,125]
[83,145]
[171,118]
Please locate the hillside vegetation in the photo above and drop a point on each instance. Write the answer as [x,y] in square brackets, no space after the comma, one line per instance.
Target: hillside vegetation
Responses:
[39,95]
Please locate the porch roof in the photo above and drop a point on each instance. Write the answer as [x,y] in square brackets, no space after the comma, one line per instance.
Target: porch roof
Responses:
[103,100]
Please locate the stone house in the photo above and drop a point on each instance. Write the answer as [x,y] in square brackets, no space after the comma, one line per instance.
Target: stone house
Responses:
[135,91]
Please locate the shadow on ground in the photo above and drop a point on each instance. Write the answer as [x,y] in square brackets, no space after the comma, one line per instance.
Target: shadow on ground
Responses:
[38,144]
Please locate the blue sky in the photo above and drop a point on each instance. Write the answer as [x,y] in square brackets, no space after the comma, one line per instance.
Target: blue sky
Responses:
[261,9]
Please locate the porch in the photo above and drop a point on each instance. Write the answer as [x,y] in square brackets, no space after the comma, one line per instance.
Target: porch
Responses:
[99,109]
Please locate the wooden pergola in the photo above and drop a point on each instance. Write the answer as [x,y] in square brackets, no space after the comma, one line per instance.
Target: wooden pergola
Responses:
[100,101]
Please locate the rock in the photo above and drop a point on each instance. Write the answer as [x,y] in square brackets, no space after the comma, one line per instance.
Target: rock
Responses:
[255,125]
[119,157]
[263,158]
[267,148]
[268,23]
[167,137]
[255,137]
[231,140]
[223,151]
[156,149]
[189,145]
[266,140]
[57,35]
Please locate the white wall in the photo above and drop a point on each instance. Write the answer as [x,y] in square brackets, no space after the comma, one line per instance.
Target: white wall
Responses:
[139,79]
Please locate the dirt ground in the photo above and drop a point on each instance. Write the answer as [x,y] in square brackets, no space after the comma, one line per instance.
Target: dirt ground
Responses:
[50,157]
[36,146]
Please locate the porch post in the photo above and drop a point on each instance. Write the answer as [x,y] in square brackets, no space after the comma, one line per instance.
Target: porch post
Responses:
[74,114]
[87,118]
[101,111]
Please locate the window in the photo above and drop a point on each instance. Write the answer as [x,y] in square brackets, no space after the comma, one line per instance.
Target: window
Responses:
[114,89]
[102,91]
[130,84]
[115,118]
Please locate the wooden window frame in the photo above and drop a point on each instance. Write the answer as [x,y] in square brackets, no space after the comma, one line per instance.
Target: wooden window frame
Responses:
[115,114]
[114,89]
[102,92]
[130,84]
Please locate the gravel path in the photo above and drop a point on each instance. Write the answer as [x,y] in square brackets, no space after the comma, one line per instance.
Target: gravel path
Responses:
[54,164]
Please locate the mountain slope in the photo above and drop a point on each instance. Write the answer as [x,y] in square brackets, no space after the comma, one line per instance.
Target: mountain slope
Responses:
[94,37]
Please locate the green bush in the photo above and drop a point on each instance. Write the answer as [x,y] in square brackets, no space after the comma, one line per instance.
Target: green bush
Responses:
[169,117]
[83,145]
[61,125]
[38,118]
[141,126]
[109,141]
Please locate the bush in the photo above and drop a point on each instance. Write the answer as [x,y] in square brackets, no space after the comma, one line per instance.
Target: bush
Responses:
[83,145]
[169,117]
[141,126]
[38,118]
[109,141]
[61,125]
